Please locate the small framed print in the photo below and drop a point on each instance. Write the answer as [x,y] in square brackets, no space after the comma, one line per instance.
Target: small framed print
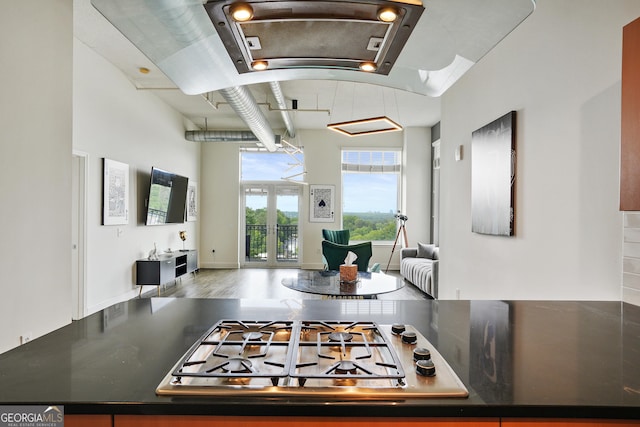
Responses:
[321,203]
[115,193]
[192,201]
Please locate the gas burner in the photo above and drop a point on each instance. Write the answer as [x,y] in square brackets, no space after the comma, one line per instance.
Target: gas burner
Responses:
[340,337]
[345,367]
[330,351]
[237,365]
[252,336]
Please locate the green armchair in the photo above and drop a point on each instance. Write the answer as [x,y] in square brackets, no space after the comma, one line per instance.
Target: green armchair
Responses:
[336,236]
[335,253]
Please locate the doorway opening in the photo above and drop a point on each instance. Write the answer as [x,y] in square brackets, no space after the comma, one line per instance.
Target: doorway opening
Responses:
[271,235]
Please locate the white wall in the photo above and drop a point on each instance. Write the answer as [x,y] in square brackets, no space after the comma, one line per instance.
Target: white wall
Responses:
[560,70]
[416,185]
[112,119]
[35,167]
[220,204]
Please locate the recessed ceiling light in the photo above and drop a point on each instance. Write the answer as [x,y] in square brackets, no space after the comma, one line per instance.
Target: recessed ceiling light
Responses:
[259,65]
[241,12]
[387,14]
[144,70]
[368,66]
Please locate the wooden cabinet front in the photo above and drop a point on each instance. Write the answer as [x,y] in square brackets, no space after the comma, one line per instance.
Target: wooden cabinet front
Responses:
[213,421]
[88,420]
[204,421]
[514,422]
[630,126]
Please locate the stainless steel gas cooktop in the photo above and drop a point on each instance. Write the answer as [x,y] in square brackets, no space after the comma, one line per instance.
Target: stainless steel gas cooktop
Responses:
[325,359]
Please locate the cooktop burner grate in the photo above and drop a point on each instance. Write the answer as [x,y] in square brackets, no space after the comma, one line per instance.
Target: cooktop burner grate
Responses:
[343,350]
[328,359]
[240,349]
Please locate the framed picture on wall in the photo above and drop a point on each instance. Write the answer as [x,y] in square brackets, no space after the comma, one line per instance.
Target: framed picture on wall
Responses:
[115,192]
[192,201]
[321,203]
[493,166]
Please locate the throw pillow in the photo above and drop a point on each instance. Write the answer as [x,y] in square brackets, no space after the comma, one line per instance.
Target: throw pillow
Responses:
[425,250]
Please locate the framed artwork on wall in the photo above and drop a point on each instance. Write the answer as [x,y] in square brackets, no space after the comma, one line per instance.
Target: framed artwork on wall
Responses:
[321,203]
[115,192]
[192,201]
[493,166]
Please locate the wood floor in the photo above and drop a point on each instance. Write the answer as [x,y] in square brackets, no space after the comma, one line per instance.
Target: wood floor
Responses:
[254,283]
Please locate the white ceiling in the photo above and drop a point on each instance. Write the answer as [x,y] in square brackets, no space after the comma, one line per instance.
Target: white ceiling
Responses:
[450,37]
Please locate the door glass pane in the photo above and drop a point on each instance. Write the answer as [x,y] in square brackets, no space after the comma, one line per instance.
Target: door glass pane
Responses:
[287,224]
[256,224]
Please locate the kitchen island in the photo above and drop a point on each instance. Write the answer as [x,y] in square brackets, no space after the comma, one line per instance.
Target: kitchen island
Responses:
[518,359]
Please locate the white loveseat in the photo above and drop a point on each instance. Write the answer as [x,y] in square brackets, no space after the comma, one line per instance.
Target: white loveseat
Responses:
[420,267]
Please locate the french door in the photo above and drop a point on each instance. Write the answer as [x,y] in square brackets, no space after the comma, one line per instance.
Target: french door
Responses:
[270,233]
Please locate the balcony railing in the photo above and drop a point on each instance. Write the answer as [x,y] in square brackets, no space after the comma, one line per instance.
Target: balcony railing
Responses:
[286,243]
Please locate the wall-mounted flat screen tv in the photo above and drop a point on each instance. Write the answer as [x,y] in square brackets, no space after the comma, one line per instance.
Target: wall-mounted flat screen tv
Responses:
[167,198]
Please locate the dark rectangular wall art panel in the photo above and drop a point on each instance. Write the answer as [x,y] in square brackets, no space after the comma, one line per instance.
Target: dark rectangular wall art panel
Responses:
[493,160]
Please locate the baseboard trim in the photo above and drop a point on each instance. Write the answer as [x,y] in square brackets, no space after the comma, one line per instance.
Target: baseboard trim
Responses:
[219,265]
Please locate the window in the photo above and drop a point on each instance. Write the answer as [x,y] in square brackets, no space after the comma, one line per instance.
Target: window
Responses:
[260,165]
[370,189]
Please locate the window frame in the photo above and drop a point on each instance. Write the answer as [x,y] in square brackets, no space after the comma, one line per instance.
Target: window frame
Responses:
[396,169]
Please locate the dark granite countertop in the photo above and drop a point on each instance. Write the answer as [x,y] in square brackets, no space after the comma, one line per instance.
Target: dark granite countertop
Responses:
[517,359]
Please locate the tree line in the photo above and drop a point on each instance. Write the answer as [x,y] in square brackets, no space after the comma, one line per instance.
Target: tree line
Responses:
[362,226]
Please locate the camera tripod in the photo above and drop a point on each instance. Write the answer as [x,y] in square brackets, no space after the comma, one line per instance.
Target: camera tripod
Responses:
[403,229]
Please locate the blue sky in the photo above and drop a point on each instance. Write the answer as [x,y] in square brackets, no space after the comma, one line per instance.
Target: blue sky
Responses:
[254,168]
[363,192]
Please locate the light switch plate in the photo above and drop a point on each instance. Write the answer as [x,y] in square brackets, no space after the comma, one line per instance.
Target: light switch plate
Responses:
[458,153]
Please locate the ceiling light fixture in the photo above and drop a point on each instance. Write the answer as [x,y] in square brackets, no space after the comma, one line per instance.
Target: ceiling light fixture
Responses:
[387,14]
[365,126]
[369,67]
[293,34]
[241,12]
[260,65]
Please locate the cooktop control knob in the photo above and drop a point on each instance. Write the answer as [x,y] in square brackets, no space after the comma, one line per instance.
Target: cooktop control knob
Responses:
[397,328]
[421,353]
[409,337]
[425,368]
